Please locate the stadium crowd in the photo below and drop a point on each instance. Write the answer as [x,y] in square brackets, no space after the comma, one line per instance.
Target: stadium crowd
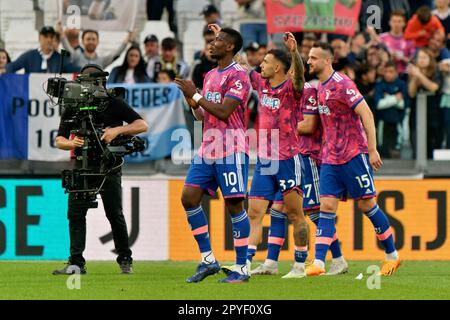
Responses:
[407,54]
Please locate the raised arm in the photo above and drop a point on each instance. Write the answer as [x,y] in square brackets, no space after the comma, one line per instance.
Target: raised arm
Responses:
[107,60]
[297,62]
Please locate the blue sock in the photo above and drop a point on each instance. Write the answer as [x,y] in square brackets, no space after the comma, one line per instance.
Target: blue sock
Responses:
[241,232]
[382,228]
[251,251]
[277,233]
[335,246]
[301,253]
[199,226]
[324,235]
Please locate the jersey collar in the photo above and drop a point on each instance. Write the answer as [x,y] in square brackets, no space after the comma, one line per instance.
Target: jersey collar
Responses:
[324,83]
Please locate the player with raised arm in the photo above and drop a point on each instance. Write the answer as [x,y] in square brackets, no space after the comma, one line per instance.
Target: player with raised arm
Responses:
[349,153]
[279,167]
[310,129]
[222,160]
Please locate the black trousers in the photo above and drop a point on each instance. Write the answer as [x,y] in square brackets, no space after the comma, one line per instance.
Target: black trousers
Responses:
[112,202]
[390,136]
[155,10]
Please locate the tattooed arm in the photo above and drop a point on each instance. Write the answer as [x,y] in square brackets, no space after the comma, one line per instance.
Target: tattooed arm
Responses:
[297,62]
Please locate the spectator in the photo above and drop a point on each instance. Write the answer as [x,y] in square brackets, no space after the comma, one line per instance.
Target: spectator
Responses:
[203,65]
[151,46]
[57,43]
[341,62]
[424,77]
[421,27]
[251,53]
[169,60]
[208,37]
[442,11]
[262,51]
[44,59]
[400,49]
[444,67]
[252,19]
[211,15]
[391,96]
[73,37]
[387,7]
[166,76]
[90,40]
[4,60]
[358,49]
[365,79]
[306,44]
[132,70]
[417,4]
[155,9]
[437,46]
[377,57]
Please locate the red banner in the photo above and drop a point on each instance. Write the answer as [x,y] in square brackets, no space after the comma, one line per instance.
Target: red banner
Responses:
[330,16]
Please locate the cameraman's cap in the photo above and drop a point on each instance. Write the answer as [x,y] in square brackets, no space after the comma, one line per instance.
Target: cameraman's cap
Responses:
[151,38]
[253,46]
[92,66]
[209,9]
[46,30]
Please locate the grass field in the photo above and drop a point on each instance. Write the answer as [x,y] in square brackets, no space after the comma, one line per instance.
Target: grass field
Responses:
[166,280]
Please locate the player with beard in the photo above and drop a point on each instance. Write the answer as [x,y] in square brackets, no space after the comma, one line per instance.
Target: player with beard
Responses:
[349,155]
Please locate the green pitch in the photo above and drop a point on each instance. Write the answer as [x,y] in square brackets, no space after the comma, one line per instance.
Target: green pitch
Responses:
[165,280]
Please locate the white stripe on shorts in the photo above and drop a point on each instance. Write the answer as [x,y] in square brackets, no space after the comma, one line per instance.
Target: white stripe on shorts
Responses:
[368,171]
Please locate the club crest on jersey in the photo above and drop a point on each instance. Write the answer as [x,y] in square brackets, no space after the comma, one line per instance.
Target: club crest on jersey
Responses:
[215,97]
[327,94]
[271,103]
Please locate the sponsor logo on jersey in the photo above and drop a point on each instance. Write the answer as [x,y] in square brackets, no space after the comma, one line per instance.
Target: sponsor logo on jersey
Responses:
[215,97]
[269,102]
[324,110]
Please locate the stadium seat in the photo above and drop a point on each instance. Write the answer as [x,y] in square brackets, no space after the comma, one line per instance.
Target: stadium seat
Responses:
[228,10]
[50,8]
[192,39]
[159,28]
[20,37]
[110,41]
[17,10]
[187,12]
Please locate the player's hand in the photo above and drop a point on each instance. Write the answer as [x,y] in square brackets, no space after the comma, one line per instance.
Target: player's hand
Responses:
[131,35]
[191,103]
[187,86]
[78,142]
[375,160]
[290,41]
[109,134]
[214,28]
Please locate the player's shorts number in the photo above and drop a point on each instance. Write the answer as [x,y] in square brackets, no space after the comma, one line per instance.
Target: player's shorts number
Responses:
[230,178]
[364,181]
[284,186]
[308,188]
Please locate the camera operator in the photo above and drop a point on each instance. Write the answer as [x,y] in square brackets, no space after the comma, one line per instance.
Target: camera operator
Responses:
[112,118]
